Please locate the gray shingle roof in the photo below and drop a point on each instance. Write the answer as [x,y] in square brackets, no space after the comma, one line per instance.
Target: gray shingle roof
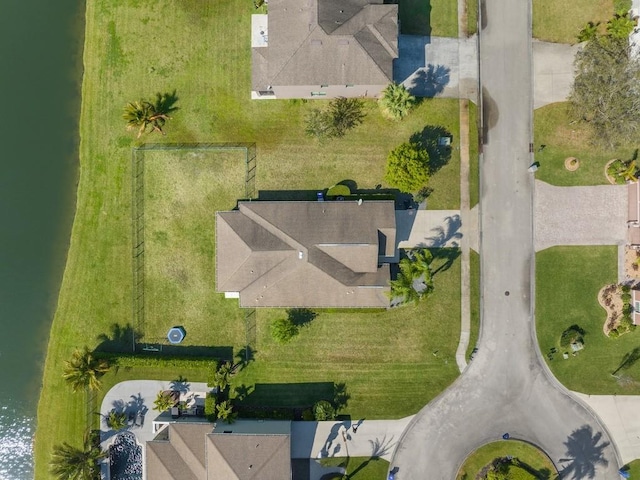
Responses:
[333,42]
[305,254]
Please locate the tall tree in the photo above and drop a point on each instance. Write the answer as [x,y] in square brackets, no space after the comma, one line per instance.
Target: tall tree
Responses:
[606,90]
[223,375]
[396,101]
[225,411]
[71,463]
[84,370]
[421,265]
[402,287]
[346,114]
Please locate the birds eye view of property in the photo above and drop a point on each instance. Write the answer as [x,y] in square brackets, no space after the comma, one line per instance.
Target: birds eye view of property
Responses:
[351,239]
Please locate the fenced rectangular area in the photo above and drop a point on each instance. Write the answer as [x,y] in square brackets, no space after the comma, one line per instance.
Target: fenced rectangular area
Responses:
[177,191]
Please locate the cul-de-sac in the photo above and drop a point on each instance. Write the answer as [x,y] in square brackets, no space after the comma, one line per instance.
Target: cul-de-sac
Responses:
[351,239]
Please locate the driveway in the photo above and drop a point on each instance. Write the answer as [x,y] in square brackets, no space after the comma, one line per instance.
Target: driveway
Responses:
[553,72]
[429,228]
[595,215]
[620,414]
[507,388]
[448,67]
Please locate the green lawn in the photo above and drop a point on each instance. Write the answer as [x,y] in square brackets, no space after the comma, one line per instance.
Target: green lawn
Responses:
[474,159]
[567,283]
[527,454]
[555,21]
[360,468]
[633,468]
[429,17]
[475,301]
[563,138]
[472,16]
[135,49]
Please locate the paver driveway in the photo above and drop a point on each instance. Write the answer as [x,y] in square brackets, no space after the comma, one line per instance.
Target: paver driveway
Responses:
[595,215]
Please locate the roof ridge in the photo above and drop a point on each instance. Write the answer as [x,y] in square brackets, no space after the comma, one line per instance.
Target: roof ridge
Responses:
[269,227]
[219,215]
[193,458]
[376,33]
[293,54]
[370,57]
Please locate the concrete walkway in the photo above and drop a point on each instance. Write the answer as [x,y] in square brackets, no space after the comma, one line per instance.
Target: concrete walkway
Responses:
[595,215]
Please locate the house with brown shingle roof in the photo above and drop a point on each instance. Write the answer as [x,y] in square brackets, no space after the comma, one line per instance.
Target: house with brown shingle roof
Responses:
[306,254]
[325,49]
[246,450]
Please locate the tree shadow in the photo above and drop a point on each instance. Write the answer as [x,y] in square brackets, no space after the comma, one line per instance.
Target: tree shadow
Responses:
[301,316]
[445,236]
[340,396]
[244,357]
[165,102]
[119,339]
[381,446]
[241,392]
[180,384]
[430,139]
[542,474]
[362,466]
[430,80]
[628,360]
[445,255]
[584,452]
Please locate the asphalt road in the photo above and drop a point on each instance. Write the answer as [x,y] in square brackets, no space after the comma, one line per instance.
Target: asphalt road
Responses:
[507,388]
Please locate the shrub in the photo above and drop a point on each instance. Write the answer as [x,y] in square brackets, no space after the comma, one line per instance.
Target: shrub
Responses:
[283,329]
[210,407]
[627,309]
[323,410]
[307,415]
[625,288]
[626,297]
[408,167]
[614,333]
[116,420]
[573,334]
[339,190]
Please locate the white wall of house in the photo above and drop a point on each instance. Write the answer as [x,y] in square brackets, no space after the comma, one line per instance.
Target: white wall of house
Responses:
[321,91]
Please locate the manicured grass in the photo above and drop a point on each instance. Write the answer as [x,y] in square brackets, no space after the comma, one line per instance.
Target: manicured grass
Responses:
[360,468]
[555,21]
[182,192]
[472,16]
[567,283]
[429,17]
[135,49]
[633,468]
[474,158]
[475,301]
[526,453]
[563,138]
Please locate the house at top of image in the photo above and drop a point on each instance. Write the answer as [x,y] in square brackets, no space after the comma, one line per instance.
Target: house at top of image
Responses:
[306,254]
[323,48]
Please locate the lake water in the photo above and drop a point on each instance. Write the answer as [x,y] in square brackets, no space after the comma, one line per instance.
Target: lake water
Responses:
[40,51]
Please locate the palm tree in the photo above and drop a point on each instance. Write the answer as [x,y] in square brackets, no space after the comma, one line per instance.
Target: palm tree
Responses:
[84,370]
[225,411]
[116,420]
[421,266]
[139,115]
[402,286]
[164,401]
[396,101]
[223,375]
[71,463]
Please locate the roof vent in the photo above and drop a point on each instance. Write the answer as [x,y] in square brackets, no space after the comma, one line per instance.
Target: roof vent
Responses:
[316,42]
[300,255]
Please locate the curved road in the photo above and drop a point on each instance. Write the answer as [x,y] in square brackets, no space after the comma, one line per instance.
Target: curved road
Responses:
[507,388]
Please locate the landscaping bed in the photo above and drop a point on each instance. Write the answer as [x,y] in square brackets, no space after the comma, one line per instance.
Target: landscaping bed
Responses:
[568,280]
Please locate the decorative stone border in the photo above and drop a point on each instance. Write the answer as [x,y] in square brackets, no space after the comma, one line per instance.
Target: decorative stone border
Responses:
[571,164]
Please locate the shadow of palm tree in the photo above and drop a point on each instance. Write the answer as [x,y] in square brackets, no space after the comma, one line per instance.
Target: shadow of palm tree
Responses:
[448,233]
[180,385]
[340,396]
[381,447]
[430,81]
[244,357]
[449,255]
[584,452]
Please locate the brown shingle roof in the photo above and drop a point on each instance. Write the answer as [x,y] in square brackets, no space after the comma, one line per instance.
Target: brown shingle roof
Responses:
[248,457]
[305,254]
[333,42]
[180,458]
